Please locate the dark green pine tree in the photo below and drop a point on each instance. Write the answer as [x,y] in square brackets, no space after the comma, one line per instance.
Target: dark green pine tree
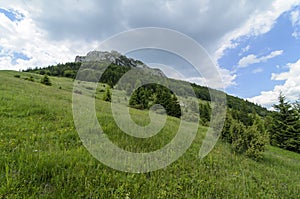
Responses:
[146,96]
[205,111]
[173,107]
[226,128]
[285,129]
[134,100]
[139,98]
[294,130]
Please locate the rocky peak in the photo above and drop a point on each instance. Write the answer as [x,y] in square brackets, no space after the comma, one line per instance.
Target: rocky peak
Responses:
[117,58]
[98,56]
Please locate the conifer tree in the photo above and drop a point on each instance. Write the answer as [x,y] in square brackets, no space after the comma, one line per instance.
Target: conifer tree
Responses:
[205,112]
[286,128]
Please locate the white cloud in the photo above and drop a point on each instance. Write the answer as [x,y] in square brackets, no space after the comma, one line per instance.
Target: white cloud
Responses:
[226,76]
[248,60]
[25,37]
[257,70]
[56,31]
[295,19]
[227,80]
[258,22]
[244,50]
[296,34]
[290,88]
[253,59]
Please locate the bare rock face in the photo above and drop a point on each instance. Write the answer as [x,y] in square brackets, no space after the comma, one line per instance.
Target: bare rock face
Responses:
[116,58]
[98,56]
[80,58]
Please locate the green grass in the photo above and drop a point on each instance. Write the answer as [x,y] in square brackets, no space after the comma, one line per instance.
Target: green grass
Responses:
[41,154]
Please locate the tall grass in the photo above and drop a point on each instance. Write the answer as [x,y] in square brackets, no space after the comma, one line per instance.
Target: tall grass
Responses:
[41,155]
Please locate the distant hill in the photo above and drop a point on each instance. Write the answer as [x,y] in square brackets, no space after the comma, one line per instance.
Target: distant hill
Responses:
[94,62]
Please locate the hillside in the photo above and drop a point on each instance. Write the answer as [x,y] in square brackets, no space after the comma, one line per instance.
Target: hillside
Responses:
[42,156]
[92,66]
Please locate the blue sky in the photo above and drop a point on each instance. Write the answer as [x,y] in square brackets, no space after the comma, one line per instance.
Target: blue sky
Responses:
[255,45]
[254,78]
[11,14]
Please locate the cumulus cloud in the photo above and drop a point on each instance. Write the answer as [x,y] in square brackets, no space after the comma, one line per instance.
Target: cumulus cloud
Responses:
[25,45]
[254,59]
[259,21]
[57,31]
[290,88]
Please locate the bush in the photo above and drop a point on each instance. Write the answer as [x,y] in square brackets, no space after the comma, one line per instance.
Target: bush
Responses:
[250,140]
[237,134]
[107,95]
[70,73]
[78,92]
[46,80]
[225,135]
[30,78]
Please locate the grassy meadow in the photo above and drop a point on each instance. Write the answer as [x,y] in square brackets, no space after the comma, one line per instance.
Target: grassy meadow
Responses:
[42,156]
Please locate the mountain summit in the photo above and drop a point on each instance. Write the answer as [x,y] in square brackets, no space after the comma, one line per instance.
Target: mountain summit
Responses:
[116,58]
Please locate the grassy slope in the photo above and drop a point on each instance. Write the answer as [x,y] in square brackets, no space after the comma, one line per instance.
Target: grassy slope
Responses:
[41,155]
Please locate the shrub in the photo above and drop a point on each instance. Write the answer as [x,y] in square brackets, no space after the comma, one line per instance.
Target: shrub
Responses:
[78,92]
[107,95]
[46,80]
[256,142]
[237,134]
[30,78]
[70,73]
[250,140]
[225,135]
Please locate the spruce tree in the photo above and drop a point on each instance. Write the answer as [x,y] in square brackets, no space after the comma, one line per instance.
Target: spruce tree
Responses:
[205,111]
[226,133]
[285,129]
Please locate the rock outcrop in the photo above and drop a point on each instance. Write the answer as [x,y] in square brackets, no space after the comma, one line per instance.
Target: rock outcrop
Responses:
[116,58]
